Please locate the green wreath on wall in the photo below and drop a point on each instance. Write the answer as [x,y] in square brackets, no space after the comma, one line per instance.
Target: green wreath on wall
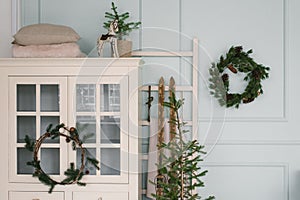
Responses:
[237,61]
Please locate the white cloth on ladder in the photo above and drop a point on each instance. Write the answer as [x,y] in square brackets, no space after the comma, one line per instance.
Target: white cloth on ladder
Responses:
[153,157]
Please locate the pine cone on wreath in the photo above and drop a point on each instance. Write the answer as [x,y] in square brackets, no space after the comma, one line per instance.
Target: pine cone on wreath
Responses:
[232,69]
[225,77]
[248,100]
[256,74]
[238,49]
[229,97]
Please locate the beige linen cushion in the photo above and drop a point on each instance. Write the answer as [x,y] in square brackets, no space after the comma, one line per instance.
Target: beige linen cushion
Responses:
[63,50]
[40,34]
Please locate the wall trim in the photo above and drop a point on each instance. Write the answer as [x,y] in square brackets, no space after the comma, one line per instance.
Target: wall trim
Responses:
[285,167]
[253,142]
[285,52]
[15,18]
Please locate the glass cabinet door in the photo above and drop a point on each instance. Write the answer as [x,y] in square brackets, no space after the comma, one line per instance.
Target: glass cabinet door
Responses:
[98,109]
[35,104]
[101,109]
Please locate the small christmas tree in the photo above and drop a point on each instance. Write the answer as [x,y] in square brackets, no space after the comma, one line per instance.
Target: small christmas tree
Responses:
[181,171]
[124,27]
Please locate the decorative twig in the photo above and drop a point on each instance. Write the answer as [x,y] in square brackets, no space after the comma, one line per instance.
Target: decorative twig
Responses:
[149,102]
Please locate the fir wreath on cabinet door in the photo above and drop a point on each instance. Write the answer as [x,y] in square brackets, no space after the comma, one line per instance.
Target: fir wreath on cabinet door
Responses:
[73,175]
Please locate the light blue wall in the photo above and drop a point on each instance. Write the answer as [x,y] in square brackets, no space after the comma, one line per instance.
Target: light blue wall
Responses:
[171,24]
[85,17]
[253,151]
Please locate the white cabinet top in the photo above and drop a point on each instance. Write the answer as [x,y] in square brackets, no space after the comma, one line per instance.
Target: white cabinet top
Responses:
[70,62]
[70,66]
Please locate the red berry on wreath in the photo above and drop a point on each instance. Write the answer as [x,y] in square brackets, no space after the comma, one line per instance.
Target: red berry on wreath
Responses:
[87,172]
[68,140]
[72,129]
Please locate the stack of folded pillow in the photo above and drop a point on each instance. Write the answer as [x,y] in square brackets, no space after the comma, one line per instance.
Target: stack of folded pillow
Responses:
[46,41]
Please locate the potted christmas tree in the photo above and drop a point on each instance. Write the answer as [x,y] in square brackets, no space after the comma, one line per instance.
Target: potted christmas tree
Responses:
[179,175]
[124,46]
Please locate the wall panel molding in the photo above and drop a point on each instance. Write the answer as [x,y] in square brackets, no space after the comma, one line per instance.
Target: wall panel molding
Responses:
[241,165]
[283,113]
[254,142]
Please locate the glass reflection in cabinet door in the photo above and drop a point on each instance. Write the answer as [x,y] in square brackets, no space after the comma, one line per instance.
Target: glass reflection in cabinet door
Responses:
[23,156]
[110,129]
[110,161]
[26,125]
[86,126]
[85,97]
[110,97]
[50,161]
[26,98]
[49,98]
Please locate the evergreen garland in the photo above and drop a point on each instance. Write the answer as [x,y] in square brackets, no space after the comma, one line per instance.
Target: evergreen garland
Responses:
[73,175]
[236,60]
[124,27]
[180,174]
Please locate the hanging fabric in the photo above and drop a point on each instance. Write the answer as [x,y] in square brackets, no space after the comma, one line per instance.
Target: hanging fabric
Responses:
[153,154]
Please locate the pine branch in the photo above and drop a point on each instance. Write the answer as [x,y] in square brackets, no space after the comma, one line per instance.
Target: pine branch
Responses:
[124,27]
[29,143]
[182,169]
[94,162]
